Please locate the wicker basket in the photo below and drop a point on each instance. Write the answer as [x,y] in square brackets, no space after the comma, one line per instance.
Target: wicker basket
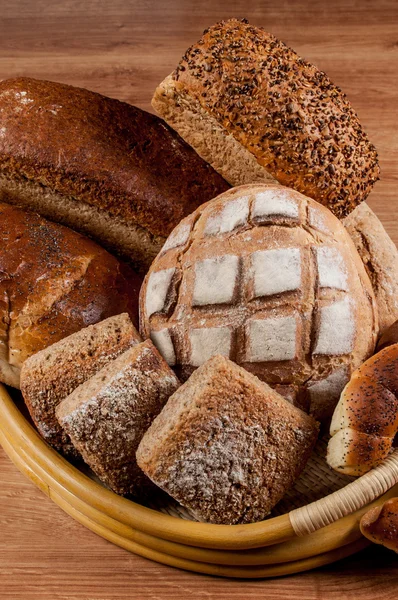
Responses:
[302,538]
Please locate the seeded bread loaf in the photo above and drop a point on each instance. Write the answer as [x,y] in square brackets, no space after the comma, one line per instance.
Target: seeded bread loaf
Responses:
[226,445]
[107,415]
[256,111]
[49,376]
[380,257]
[100,166]
[53,282]
[365,421]
[270,279]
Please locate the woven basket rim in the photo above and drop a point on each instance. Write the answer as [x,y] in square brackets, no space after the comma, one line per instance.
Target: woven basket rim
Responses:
[20,434]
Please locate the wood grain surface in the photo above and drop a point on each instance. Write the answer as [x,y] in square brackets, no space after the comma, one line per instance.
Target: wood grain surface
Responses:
[124,48]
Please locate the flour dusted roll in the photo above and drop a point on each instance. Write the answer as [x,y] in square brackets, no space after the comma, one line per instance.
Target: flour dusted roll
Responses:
[256,111]
[365,421]
[53,282]
[271,280]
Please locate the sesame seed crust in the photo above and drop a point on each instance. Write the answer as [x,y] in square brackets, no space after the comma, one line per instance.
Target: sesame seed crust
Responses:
[298,124]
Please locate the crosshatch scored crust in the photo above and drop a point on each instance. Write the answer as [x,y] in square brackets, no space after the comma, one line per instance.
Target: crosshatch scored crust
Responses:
[305,326]
[244,88]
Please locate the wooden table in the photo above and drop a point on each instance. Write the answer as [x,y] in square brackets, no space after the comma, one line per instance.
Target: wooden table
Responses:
[124,48]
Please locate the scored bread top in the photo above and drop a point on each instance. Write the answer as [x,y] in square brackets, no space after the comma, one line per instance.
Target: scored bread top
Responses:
[106,153]
[285,111]
[270,279]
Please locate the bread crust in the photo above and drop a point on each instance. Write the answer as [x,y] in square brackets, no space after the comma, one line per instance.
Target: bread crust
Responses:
[226,445]
[365,420]
[102,152]
[108,414]
[299,126]
[380,256]
[194,306]
[380,524]
[49,376]
[53,282]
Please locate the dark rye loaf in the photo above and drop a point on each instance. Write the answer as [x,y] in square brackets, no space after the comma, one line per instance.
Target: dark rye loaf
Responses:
[53,282]
[100,166]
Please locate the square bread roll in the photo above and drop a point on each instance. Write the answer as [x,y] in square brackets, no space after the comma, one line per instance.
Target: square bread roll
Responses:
[107,415]
[226,445]
[49,376]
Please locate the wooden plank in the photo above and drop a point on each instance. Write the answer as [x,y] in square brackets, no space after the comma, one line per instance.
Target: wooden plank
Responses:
[124,48]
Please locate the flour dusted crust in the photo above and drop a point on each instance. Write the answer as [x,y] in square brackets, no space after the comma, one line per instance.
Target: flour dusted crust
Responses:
[380,257]
[226,445]
[271,280]
[108,414]
[49,376]
[256,111]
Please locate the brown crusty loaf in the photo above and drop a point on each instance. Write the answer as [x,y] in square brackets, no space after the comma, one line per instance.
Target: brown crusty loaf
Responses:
[389,337]
[380,257]
[365,421]
[107,415]
[380,524]
[53,282]
[100,166]
[270,279]
[49,376]
[226,445]
[255,110]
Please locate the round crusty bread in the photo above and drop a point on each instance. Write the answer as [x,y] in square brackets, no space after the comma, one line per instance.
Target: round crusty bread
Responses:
[53,282]
[268,278]
[380,524]
[365,421]
[255,110]
[380,257]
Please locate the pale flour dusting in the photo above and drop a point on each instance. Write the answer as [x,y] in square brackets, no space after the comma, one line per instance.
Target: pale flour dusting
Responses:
[234,214]
[271,339]
[272,203]
[332,272]
[163,342]
[208,342]
[336,333]
[178,237]
[276,271]
[215,280]
[158,287]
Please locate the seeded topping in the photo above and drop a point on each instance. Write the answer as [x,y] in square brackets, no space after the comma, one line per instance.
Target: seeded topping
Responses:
[287,113]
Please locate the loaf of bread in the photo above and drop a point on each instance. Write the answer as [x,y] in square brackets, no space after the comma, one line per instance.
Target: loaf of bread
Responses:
[49,376]
[256,111]
[107,415]
[365,421]
[53,282]
[380,524]
[380,257]
[270,279]
[226,445]
[389,337]
[100,166]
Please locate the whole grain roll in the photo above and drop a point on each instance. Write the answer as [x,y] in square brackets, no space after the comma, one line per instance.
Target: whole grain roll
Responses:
[103,167]
[256,111]
[53,282]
